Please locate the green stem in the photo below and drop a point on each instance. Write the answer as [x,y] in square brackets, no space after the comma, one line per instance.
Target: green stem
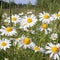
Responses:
[1,11]
[12,51]
[10,12]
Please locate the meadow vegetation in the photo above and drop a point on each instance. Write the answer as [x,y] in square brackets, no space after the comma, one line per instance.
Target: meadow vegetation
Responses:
[30,32]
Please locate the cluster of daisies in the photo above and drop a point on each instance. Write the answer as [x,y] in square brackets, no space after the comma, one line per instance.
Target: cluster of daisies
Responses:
[24,22]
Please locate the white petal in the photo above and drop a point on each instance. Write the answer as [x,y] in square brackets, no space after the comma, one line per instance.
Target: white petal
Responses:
[48,52]
[59,52]
[56,56]
[49,29]
[47,47]
[51,55]
[46,31]
[50,44]
[24,46]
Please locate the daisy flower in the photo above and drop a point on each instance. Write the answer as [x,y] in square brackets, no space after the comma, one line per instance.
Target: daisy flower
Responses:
[56,16]
[28,21]
[8,31]
[53,50]
[45,17]
[36,49]
[25,42]
[20,14]
[16,41]
[14,18]
[4,15]
[6,59]
[4,44]
[29,12]
[54,36]
[44,27]
[32,31]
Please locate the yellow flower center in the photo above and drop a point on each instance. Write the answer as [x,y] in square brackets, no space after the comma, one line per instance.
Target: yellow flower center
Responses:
[44,26]
[57,15]
[13,18]
[55,49]
[36,48]
[26,41]
[46,16]
[3,44]
[8,29]
[29,20]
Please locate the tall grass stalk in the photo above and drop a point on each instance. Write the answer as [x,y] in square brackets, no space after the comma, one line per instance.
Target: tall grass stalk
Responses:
[1,11]
[10,12]
[0,16]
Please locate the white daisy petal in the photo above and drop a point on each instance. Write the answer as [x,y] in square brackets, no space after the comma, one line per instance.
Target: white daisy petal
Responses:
[51,55]
[47,52]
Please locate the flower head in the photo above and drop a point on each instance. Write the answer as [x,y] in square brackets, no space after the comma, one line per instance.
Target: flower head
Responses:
[14,18]
[25,42]
[4,44]
[54,36]
[45,17]
[44,27]
[9,31]
[28,21]
[53,50]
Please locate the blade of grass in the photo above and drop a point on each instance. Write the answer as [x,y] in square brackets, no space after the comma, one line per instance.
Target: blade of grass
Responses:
[10,12]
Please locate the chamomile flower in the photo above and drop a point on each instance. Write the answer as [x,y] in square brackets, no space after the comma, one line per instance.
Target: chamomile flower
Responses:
[20,14]
[28,21]
[53,50]
[29,12]
[14,18]
[36,49]
[54,36]
[25,42]
[44,27]
[16,41]
[56,16]
[4,44]
[45,17]
[6,59]
[4,15]
[8,31]
[32,31]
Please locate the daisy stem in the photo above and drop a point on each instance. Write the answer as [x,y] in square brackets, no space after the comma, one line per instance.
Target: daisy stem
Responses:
[12,51]
[49,58]
[33,55]
[10,12]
